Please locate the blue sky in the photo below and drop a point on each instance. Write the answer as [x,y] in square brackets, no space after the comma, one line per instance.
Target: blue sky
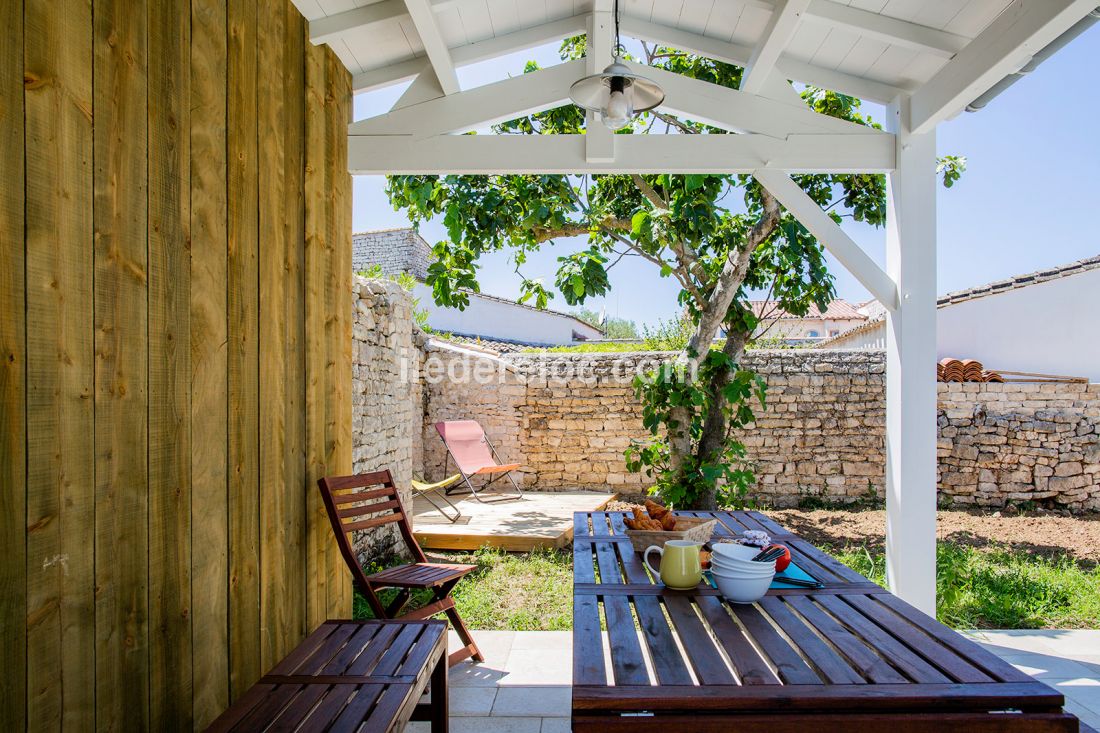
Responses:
[1028,200]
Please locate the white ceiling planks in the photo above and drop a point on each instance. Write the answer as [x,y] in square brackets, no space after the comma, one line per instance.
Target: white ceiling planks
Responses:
[944,52]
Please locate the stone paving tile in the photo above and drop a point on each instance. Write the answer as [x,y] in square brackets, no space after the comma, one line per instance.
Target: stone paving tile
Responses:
[538,667]
[556,640]
[533,701]
[496,725]
[1047,667]
[556,725]
[471,701]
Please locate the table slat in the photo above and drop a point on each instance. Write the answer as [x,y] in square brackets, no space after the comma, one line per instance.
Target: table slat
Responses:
[831,664]
[668,660]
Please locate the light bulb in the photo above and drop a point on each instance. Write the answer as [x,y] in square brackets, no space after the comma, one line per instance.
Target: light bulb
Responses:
[619,110]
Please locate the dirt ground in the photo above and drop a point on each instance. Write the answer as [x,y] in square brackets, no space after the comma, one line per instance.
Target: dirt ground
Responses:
[1039,533]
[1042,533]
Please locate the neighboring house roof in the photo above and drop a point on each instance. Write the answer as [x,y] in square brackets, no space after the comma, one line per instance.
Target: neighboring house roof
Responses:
[838,310]
[370,246]
[508,301]
[981,291]
[1020,281]
[497,346]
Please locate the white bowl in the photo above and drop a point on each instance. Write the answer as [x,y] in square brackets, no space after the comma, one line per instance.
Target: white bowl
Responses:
[751,568]
[726,551]
[743,573]
[743,590]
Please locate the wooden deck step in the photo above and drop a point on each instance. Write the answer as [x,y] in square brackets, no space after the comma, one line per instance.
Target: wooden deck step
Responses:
[541,519]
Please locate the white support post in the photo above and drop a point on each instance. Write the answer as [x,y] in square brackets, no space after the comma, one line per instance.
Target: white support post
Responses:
[910,365]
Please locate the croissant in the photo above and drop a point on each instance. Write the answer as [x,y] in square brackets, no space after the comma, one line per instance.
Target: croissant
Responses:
[668,522]
[639,515]
[656,511]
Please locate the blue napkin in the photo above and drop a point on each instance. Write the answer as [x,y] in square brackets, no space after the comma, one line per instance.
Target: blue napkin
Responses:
[792,571]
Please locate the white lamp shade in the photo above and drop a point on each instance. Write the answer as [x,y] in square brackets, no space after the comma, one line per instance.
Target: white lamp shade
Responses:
[594,92]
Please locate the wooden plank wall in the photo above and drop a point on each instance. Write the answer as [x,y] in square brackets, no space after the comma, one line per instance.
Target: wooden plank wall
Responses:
[175,366]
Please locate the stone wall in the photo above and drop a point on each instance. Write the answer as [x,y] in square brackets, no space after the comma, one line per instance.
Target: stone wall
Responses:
[567,418]
[386,394]
[464,384]
[1020,442]
[822,433]
[394,250]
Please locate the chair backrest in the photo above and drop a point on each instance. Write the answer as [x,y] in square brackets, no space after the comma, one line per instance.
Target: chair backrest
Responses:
[466,442]
[362,502]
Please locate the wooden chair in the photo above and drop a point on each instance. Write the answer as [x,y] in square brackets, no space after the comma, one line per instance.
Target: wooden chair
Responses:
[371,500]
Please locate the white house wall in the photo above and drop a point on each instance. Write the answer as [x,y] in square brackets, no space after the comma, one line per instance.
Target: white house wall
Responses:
[1046,328]
[1050,328]
[494,319]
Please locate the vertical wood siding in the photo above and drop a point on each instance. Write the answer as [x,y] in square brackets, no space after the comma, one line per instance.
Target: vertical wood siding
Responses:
[174,353]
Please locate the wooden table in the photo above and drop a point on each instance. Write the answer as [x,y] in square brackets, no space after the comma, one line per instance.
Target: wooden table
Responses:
[351,676]
[847,655]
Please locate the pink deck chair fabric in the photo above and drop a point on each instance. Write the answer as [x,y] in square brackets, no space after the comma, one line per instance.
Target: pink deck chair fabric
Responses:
[465,440]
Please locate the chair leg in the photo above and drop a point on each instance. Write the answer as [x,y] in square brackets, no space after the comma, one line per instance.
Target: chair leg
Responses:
[439,701]
[469,648]
[443,495]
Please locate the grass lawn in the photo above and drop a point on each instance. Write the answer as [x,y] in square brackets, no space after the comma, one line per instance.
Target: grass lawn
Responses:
[1001,588]
[510,591]
[989,587]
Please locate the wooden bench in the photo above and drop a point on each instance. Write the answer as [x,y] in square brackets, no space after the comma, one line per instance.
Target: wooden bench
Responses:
[847,656]
[353,676]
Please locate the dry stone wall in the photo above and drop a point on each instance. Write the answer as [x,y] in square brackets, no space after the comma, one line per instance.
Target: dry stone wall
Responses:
[567,418]
[821,434]
[387,402]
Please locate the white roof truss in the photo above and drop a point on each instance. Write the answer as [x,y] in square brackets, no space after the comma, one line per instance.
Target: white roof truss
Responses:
[885,28]
[733,53]
[434,46]
[1023,29]
[777,34]
[717,154]
[829,233]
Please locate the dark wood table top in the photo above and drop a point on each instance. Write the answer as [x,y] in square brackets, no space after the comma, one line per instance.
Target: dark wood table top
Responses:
[347,675]
[640,649]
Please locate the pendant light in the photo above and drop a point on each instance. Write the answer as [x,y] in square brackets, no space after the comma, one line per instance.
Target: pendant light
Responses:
[616,93]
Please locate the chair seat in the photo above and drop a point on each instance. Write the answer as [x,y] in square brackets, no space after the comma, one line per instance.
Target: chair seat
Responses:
[419,575]
[497,469]
[421,487]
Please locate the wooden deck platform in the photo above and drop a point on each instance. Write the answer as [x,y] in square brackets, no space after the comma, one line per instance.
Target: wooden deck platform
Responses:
[540,519]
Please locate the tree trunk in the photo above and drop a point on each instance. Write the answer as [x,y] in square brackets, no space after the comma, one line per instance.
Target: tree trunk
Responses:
[710,320]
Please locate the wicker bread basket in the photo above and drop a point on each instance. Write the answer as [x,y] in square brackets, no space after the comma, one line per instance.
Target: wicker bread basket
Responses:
[687,528]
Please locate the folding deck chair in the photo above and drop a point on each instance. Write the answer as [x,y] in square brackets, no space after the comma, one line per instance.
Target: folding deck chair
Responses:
[474,455]
[346,501]
[438,490]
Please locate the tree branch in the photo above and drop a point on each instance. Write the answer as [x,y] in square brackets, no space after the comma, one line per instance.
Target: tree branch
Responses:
[649,192]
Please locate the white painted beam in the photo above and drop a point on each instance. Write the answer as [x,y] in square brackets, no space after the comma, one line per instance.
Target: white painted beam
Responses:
[739,111]
[328,29]
[777,34]
[478,107]
[423,18]
[829,233]
[728,109]
[472,53]
[911,367]
[599,141]
[486,154]
[884,28]
[1021,30]
[425,87]
[733,53]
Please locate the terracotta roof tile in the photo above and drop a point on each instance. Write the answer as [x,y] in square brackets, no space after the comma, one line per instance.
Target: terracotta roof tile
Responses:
[840,310]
